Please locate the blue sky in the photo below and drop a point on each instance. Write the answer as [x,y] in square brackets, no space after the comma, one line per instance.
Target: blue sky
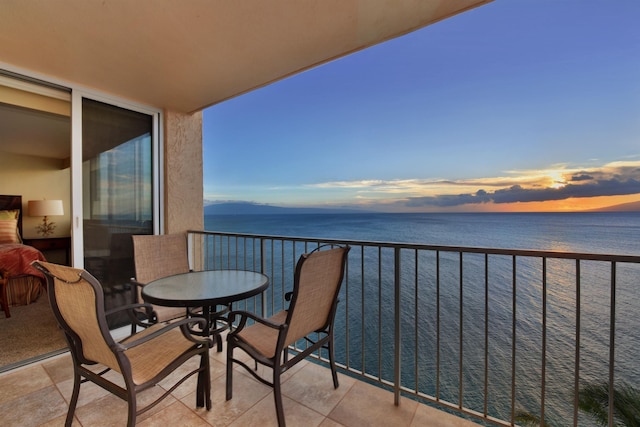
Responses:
[516,105]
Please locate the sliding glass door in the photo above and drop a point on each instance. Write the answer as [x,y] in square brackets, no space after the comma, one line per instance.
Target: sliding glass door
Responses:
[117,193]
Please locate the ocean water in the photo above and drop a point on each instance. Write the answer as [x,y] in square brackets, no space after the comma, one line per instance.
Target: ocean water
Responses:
[606,233]
[591,232]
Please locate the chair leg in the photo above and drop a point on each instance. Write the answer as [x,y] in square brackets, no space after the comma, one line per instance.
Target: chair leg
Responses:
[207,381]
[277,396]
[332,362]
[229,394]
[133,407]
[203,389]
[74,399]
[219,342]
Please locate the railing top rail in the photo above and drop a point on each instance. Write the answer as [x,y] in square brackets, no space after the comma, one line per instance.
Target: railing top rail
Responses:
[440,248]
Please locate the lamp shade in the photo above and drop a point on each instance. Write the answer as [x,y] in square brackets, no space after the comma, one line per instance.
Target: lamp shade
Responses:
[45,207]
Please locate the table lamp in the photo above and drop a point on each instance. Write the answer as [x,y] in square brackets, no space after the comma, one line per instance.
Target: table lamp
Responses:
[45,208]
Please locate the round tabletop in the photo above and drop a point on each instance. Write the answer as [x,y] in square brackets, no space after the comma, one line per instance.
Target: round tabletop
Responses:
[204,288]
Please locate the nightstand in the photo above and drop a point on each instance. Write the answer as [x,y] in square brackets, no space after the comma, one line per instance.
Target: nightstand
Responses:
[50,244]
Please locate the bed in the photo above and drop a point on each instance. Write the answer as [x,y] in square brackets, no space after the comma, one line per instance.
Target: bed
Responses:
[20,283]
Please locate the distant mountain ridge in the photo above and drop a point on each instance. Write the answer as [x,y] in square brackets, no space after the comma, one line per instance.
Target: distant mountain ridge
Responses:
[249,208]
[624,207]
[246,208]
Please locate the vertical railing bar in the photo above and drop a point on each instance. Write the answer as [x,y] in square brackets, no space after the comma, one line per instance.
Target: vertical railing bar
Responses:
[282,257]
[225,254]
[273,272]
[576,366]
[543,373]
[206,252]
[437,325]
[228,254]
[416,322]
[263,270]
[460,335]
[612,341]
[237,253]
[513,342]
[362,312]
[214,253]
[397,329]
[379,313]
[347,335]
[486,335]
[218,255]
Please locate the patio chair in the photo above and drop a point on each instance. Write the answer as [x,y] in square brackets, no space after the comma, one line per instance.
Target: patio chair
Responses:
[142,359]
[157,256]
[310,316]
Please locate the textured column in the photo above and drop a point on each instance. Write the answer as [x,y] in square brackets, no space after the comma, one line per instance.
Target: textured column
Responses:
[183,186]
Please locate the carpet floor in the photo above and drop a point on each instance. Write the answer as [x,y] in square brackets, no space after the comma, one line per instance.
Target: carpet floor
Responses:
[29,334]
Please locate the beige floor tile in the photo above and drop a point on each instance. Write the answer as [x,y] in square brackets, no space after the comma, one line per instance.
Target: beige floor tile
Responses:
[367,405]
[88,392]
[312,386]
[330,423]
[36,408]
[246,393]
[175,415]
[106,411]
[59,368]
[263,414]
[23,381]
[112,411]
[428,416]
[59,422]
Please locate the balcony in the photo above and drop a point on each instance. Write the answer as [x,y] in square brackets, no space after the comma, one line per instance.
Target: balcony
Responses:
[489,334]
[425,335]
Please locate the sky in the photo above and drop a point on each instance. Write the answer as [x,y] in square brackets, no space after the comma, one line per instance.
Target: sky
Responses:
[518,105]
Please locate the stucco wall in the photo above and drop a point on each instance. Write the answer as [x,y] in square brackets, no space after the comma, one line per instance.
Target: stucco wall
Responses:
[183,186]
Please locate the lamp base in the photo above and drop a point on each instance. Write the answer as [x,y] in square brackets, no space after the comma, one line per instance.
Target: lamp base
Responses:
[46,228]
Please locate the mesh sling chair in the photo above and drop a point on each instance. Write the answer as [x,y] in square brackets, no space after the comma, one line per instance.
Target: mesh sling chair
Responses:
[312,309]
[143,359]
[157,256]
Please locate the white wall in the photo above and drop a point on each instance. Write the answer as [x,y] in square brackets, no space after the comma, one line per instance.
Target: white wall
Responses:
[36,178]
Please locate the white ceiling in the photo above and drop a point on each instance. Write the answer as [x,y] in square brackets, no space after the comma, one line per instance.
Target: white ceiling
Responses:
[187,55]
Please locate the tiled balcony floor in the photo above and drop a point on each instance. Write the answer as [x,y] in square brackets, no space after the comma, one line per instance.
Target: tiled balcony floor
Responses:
[38,394]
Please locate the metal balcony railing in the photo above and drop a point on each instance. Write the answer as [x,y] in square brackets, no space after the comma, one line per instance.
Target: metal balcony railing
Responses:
[485,333]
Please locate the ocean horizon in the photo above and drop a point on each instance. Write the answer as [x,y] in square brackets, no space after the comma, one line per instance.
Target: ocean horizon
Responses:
[587,232]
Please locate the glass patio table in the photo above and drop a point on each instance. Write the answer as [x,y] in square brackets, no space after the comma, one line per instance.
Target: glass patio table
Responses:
[205,289]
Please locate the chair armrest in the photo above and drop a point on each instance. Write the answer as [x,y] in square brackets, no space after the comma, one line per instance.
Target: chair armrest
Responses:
[148,308]
[183,324]
[244,315]
[133,310]
[133,281]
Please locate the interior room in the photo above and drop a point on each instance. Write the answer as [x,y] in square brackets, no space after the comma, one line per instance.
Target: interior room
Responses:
[35,133]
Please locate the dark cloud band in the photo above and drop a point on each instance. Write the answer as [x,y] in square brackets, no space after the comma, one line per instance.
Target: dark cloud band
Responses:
[615,186]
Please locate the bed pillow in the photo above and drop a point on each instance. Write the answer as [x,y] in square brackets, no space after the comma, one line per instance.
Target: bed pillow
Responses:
[12,214]
[9,231]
